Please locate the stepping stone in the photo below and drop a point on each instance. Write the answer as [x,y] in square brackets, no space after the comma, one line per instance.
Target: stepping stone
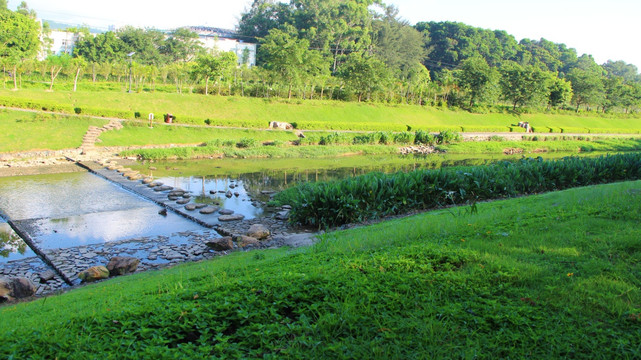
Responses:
[226,212]
[190,207]
[183,201]
[235,217]
[200,206]
[209,210]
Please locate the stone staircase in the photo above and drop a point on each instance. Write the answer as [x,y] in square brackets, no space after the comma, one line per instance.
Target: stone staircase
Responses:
[91,137]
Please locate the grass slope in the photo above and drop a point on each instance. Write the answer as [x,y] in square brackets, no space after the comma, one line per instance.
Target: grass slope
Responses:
[309,115]
[22,131]
[548,276]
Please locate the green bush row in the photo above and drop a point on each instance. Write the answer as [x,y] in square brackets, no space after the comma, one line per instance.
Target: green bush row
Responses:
[420,137]
[376,195]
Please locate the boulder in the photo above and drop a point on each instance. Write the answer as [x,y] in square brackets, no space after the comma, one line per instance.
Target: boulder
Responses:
[280,125]
[121,265]
[46,276]
[244,241]
[258,231]
[16,288]
[209,210]
[222,244]
[228,194]
[94,274]
[283,215]
[234,217]
[226,212]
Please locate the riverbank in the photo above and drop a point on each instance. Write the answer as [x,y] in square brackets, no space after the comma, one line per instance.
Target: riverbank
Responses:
[478,283]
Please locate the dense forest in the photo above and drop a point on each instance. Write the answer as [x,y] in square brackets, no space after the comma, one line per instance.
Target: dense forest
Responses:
[352,50]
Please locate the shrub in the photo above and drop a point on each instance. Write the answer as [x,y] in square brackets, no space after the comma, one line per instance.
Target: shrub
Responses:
[497,138]
[423,137]
[137,115]
[404,137]
[77,110]
[376,194]
[207,121]
[246,143]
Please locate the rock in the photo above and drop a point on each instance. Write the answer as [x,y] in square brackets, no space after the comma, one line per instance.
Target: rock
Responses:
[234,217]
[152,168]
[226,212]
[46,276]
[228,194]
[94,274]
[236,194]
[212,192]
[258,231]
[222,244]
[186,196]
[231,186]
[177,193]
[173,198]
[163,212]
[16,288]
[245,241]
[268,192]
[283,215]
[200,206]
[121,265]
[281,125]
[209,210]
[183,201]
[147,180]
[286,207]
[134,177]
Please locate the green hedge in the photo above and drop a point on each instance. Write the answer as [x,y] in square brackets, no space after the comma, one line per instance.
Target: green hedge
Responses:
[375,195]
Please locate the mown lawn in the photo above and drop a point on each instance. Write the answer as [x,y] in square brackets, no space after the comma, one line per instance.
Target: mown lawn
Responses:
[22,131]
[308,115]
[549,276]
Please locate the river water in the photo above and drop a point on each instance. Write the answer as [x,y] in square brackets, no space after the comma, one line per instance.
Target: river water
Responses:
[75,209]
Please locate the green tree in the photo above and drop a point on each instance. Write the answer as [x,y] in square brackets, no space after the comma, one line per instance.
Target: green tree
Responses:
[181,45]
[213,66]
[145,43]
[522,85]
[397,43]
[476,77]
[364,74]
[285,54]
[560,92]
[103,48]
[587,82]
[77,64]
[56,63]
[19,39]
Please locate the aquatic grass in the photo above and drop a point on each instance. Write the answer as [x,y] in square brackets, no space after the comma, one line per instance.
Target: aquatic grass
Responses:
[353,200]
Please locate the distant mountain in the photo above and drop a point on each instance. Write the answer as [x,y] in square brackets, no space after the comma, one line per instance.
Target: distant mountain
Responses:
[55,25]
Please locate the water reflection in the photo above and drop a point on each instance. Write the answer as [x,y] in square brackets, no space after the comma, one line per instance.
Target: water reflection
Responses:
[11,246]
[66,210]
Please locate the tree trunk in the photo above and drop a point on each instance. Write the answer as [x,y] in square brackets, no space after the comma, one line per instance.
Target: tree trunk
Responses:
[15,77]
[75,81]
[207,85]
[289,93]
[93,72]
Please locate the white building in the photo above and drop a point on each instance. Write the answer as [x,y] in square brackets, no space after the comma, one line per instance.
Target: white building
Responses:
[63,42]
[227,40]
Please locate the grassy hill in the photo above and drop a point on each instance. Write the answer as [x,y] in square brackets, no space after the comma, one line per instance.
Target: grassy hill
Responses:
[548,276]
[309,115]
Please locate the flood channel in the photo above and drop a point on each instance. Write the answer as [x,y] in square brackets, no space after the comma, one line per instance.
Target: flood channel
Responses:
[77,217]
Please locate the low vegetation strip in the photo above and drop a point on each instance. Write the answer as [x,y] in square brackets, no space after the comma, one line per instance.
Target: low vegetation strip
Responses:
[309,114]
[549,276]
[353,200]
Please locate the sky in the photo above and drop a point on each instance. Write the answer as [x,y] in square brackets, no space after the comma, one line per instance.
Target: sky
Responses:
[608,30]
